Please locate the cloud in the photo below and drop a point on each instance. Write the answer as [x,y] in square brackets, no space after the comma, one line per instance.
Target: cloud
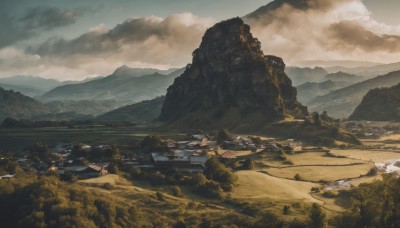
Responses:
[137,42]
[34,20]
[350,35]
[144,41]
[327,30]
[48,18]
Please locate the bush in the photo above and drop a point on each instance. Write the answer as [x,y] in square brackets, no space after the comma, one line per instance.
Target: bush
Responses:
[160,196]
[329,194]
[286,210]
[218,172]
[176,191]
[373,171]
[315,189]
[224,135]
[297,177]
[108,186]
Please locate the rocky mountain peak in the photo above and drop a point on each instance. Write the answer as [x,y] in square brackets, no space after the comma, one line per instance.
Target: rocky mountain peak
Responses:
[230,71]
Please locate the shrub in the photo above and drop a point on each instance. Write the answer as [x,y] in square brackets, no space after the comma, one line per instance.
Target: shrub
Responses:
[286,210]
[176,191]
[297,177]
[160,196]
[373,171]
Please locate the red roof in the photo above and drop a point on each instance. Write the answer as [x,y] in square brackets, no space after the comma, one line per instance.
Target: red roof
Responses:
[228,155]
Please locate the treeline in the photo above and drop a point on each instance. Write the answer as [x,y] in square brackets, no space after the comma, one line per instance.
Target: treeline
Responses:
[374,205]
[24,123]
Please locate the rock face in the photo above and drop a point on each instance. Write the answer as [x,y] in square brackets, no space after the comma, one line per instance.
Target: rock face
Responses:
[230,72]
[382,104]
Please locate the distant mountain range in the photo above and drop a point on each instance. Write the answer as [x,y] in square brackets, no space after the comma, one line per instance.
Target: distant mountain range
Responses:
[310,90]
[124,84]
[302,75]
[342,102]
[382,104]
[366,71]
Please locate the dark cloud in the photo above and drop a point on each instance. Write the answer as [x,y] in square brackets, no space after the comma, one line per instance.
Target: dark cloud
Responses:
[10,31]
[350,35]
[151,40]
[34,20]
[49,18]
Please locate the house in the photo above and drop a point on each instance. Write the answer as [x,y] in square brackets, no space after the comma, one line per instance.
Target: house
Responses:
[87,171]
[182,160]
[228,155]
[7,177]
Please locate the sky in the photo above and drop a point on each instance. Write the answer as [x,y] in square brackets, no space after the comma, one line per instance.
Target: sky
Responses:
[75,39]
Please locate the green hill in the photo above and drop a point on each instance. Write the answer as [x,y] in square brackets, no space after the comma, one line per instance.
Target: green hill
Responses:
[142,111]
[382,104]
[15,105]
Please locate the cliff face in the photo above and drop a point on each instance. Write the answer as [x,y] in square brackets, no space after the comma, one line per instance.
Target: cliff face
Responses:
[229,70]
[381,104]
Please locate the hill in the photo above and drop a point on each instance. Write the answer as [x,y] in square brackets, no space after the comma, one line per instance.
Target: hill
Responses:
[26,90]
[367,71]
[122,85]
[231,81]
[303,75]
[39,83]
[15,105]
[310,90]
[341,102]
[381,104]
[344,77]
[142,111]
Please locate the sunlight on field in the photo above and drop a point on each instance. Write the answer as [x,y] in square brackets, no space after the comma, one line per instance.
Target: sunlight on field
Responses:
[111,179]
[319,158]
[367,155]
[321,173]
[253,184]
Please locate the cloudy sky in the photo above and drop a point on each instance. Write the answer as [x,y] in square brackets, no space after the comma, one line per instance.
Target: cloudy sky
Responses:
[75,39]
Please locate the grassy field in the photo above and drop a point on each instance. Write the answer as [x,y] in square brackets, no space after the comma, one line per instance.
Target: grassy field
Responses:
[319,158]
[321,173]
[367,155]
[255,185]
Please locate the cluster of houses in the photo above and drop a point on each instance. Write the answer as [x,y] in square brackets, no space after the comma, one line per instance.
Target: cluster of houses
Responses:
[183,156]
[358,128]
[189,156]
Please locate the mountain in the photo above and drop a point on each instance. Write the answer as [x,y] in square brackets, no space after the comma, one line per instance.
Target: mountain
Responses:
[15,105]
[231,83]
[302,75]
[367,71]
[382,104]
[310,90]
[26,90]
[123,85]
[35,82]
[264,12]
[125,71]
[342,102]
[336,63]
[84,107]
[343,77]
[142,111]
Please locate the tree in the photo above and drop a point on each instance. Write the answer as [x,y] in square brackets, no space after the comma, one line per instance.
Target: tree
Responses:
[217,171]
[224,135]
[316,218]
[316,118]
[40,151]
[153,143]
[248,164]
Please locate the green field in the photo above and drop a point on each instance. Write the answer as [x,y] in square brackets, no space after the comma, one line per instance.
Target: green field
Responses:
[16,139]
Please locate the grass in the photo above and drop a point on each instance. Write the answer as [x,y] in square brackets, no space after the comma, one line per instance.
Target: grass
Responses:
[367,155]
[319,158]
[110,179]
[256,185]
[318,173]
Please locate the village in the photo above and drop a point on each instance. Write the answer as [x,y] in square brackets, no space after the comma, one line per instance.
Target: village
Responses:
[86,161]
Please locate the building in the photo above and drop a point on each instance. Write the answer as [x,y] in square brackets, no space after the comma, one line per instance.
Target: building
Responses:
[182,160]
